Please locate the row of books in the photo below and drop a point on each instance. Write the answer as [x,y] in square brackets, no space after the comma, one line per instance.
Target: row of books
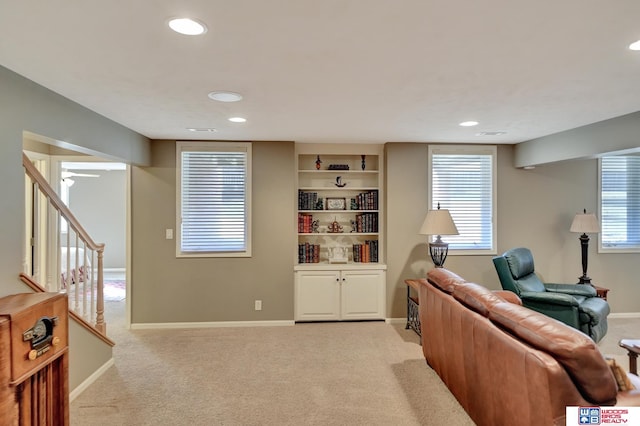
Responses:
[305,223]
[366,253]
[367,200]
[308,253]
[309,201]
[366,222]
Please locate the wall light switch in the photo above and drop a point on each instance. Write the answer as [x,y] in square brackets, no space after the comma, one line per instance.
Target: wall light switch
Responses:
[168,234]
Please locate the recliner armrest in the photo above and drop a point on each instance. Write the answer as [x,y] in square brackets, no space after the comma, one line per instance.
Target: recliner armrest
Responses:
[560,299]
[574,289]
[596,309]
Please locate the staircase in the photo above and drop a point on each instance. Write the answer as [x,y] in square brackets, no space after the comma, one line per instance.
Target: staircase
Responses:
[61,256]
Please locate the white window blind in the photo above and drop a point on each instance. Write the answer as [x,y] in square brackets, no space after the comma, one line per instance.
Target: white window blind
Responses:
[620,203]
[214,188]
[463,181]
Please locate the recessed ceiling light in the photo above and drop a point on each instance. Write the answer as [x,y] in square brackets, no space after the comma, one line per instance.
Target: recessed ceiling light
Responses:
[491,133]
[202,129]
[223,96]
[469,123]
[187,26]
[238,119]
[635,45]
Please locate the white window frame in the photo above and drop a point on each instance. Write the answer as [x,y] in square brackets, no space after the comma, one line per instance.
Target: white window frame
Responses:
[602,248]
[203,146]
[490,150]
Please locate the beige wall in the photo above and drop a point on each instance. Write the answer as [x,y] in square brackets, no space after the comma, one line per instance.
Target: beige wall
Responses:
[167,289]
[535,209]
[618,134]
[103,217]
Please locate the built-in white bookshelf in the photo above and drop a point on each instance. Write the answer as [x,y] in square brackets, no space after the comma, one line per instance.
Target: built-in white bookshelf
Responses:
[340,269]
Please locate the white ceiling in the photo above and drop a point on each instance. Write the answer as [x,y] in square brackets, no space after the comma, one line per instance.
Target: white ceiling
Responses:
[335,70]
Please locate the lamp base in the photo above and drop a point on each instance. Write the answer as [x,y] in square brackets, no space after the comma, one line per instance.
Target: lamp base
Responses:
[584,280]
[584,245]
[438,252]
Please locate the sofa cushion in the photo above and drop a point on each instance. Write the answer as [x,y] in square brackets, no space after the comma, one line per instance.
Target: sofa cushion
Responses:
[444,279]
[476,297]
[575,351]
[508,296]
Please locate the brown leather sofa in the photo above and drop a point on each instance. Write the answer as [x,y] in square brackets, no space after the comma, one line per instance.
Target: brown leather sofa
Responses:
[507,364]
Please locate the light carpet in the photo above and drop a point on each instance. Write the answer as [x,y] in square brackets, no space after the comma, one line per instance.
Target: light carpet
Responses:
[361,373]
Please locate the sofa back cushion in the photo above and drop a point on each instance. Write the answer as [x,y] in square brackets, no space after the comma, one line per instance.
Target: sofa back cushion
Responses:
[575,351]
[476,297]
[444,279]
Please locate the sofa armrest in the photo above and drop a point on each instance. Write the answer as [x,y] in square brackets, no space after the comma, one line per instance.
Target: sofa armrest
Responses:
[550,298]
[573,289]
[508,296]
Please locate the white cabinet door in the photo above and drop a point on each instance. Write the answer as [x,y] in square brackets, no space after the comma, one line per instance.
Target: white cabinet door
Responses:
[363,294]
[317,295]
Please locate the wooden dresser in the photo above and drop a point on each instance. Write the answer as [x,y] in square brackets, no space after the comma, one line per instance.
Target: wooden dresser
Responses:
[34,359]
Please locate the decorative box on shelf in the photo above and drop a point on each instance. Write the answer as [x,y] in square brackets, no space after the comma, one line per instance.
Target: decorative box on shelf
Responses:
[338,167]
[338,254]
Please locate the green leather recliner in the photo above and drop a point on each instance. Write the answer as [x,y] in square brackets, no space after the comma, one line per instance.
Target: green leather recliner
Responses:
[576,305]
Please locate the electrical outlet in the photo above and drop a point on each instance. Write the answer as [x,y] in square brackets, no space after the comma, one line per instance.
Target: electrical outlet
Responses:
[168,234]
[258,305]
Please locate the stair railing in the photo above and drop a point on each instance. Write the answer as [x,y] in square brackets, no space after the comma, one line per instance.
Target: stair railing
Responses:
[74,262]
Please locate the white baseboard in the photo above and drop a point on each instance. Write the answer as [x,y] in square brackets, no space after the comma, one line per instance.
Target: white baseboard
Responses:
[147,326]
[396,320]
[89,380]
[625,315]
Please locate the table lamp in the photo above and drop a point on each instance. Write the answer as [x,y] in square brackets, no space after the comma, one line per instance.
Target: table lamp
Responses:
[585,223]
[438,222]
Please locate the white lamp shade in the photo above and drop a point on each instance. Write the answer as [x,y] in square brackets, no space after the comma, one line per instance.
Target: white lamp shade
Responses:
[585,223]
[438,222]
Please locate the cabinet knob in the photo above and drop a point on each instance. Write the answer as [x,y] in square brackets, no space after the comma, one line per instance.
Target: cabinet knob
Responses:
[55,341]
[33,354]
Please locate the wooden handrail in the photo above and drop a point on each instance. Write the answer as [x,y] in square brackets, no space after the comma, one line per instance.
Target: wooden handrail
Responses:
[58,204]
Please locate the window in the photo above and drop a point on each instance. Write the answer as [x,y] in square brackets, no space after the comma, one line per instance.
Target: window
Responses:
[463,181]
[620,203]
[214,193]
